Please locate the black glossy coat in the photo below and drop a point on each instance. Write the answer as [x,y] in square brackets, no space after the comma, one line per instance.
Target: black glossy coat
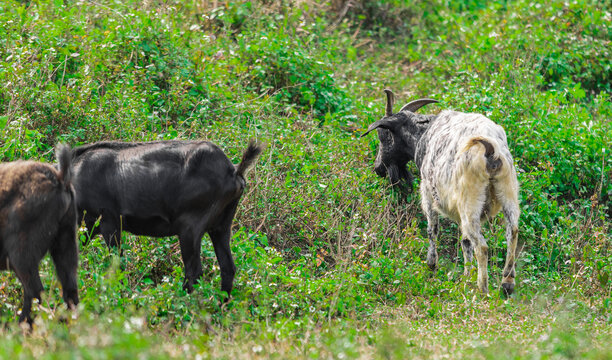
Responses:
[164,188]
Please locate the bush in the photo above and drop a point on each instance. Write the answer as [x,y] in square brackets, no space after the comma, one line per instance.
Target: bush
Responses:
[283,66]
[330,258]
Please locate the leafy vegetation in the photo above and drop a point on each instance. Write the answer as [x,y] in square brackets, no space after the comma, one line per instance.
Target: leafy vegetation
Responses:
[330,258]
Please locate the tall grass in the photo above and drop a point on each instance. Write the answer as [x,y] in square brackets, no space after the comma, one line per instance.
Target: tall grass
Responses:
[330,258]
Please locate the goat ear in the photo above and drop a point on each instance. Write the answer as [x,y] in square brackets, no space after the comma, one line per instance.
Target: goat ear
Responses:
[415,105]
[384,123]
[423,121]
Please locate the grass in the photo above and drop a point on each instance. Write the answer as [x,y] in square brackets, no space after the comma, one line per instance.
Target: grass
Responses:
[535,325]
[330,258]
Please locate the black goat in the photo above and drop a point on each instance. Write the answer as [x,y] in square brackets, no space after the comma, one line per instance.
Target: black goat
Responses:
[38,214]
[164,188]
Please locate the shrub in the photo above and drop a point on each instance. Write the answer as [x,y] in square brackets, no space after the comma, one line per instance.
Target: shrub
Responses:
[285,67]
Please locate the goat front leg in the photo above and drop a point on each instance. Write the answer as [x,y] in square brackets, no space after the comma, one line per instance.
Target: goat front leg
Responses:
[191,245]
[110,228]
[468,255]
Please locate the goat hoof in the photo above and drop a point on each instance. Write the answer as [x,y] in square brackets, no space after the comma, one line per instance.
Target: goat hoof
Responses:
[507,289]
[188,287]
[432,261]
[26,324]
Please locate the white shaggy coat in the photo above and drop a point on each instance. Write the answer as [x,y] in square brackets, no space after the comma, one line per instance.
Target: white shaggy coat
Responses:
[456,183]
[467,175]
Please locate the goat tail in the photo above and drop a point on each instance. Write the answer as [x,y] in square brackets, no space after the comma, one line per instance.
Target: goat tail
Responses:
[64,159]
[248,158]
[481,155]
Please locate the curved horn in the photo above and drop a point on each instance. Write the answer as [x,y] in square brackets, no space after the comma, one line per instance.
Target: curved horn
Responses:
[390,100]
[385,123]
[415,105]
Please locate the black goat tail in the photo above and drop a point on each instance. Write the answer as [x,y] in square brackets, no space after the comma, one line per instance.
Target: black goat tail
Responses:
[64,159]
[248,158]
[493,161]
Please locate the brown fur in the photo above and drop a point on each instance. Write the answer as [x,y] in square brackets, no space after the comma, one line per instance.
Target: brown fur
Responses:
[38,215]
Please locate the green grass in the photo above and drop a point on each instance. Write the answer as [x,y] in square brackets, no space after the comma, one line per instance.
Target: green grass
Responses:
[330,259]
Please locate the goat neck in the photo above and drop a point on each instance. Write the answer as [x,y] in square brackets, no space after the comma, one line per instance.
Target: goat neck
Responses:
[421,135]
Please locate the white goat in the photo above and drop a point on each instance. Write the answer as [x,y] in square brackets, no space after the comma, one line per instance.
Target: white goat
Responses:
[467,175]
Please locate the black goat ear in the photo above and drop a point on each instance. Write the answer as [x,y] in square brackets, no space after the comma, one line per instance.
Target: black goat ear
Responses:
[384,123]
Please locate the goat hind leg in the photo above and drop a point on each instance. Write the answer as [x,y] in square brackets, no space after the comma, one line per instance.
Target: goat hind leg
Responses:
[221,241]
[482,257]
[511,213]
[471,230]
[432,233]
[32,288]
[65,256]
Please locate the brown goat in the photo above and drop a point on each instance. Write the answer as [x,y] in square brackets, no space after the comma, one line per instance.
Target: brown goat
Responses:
[38,215]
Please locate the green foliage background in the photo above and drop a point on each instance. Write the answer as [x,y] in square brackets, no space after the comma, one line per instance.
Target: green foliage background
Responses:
[330,258]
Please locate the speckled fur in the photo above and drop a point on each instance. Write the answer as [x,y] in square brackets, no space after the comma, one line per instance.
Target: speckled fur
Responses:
[453,166]
[467,175]
[456,182]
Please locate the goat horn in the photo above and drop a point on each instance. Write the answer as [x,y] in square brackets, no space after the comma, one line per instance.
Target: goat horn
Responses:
[385,123]
[415,105]
[390,100]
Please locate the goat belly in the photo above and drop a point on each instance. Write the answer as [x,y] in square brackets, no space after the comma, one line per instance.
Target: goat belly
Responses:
[4,263]
[156,226]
